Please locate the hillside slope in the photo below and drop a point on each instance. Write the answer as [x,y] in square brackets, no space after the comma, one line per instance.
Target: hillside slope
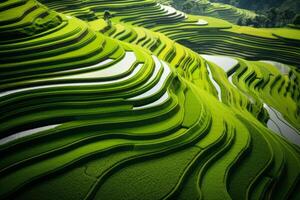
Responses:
[120,110]
[203,34]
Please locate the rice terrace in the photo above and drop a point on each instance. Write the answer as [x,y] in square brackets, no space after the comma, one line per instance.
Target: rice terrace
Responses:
[149,99]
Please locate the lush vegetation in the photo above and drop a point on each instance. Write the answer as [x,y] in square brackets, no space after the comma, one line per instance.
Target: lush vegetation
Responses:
[264,4]
[256,13]
[271,13]
[207,8]
[123,99]
[271,18]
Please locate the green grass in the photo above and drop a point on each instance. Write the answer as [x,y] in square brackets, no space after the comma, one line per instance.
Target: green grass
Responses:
[155,130]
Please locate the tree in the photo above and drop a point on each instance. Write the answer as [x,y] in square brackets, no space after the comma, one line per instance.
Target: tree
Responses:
[297,20]
[268,23]
[107,16]
[248,22]
[187,6]
[260,21]
[240,21]
[272,15]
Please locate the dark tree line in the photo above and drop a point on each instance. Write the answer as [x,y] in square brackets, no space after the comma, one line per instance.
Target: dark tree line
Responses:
[259,5]
[270,13]
[297,20]
[271,18]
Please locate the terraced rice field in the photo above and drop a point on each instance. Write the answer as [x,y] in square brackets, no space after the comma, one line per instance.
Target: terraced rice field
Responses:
[131,110]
